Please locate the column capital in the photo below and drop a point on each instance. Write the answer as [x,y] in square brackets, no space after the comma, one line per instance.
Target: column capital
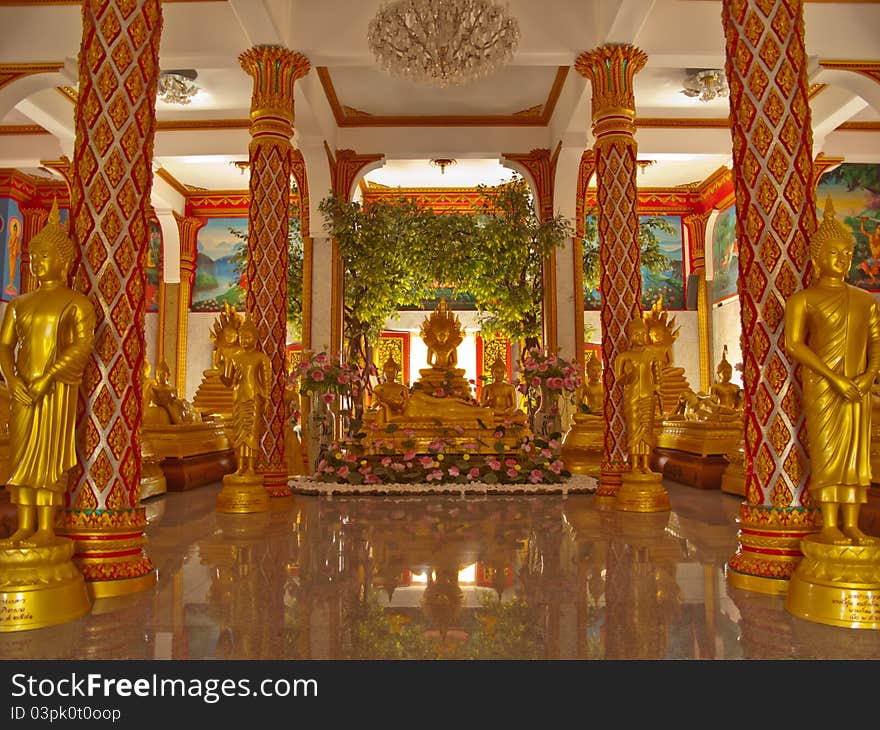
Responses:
[696,225]
[188,226]
[611,69]
[274,70]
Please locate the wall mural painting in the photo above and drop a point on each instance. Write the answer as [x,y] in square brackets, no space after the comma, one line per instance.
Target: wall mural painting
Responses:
[725,255]
[10,236]
[154,265]
[855,192]
[219,265]
[668,282]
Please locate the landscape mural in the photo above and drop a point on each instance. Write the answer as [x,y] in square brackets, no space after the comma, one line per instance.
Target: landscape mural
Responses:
[855,192]
[221,245]
[725,255]
[154,266]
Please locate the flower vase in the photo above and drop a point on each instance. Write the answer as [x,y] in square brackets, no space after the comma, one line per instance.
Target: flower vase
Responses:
[321,428]
[547,419]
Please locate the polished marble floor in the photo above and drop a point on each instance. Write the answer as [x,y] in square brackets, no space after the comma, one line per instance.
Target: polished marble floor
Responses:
[529,577]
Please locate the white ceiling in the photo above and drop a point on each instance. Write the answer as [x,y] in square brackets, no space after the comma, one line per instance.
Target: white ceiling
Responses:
[209,36]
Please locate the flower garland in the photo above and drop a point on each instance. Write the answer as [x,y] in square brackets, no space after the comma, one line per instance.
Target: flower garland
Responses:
[326,375]
[543,370]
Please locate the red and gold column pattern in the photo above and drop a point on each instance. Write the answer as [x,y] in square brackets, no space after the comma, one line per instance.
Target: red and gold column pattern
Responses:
[274,71]
[188,226]
[696,228]
[610,70]
[34,217]
[776,213]
[110,194]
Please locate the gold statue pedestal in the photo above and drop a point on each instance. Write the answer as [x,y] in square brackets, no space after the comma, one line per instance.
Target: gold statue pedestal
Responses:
[733,480]
[191,454]
[584,446]
[694,452]
[41,587]
[243,494]
[837,585]
[642,492]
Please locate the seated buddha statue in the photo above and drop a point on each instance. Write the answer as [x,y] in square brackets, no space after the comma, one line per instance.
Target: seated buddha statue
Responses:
[389,397]
[583,445]
[501,396]
[591,398]
[442,334]
[728,394]
[164,407]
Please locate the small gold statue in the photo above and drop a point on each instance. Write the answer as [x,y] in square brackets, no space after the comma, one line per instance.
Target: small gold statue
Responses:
[249,371]
[593,390]
[728,394]
[390,396]
[163,406]
[833,330]
[637,368]
[584,444]
[502,396]
[442,333]
[45,341]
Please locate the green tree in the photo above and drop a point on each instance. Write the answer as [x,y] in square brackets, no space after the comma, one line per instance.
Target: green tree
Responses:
[652,257]
[506,264]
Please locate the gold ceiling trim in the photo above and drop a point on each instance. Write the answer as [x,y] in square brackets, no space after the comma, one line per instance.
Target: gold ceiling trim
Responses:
[40,3]
[185,125]
[178,186]
[813,90]
[21,129]
[10,72]
[859,127]
[68,92]
[347,116]
[868,69]
[685,122]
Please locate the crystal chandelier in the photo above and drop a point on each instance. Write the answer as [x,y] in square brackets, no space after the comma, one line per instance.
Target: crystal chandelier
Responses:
[442,42]
[706,84]
[177,87]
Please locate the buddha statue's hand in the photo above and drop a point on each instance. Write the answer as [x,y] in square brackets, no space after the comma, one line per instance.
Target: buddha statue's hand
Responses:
[864,383]
[845,387]
[39,387]
[20,392]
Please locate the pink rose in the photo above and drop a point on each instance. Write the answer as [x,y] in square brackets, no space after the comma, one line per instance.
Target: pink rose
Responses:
[535,476]
[536,382]
[556,467]
[473,473]
[328,398]
[343,471]
[409,455]
[343,379]
[512,472]
[397,466]
[317,375]
[510,462]
[372,479]
[454,471]
[494,464]
[435,475]
[426,462]
[386,461]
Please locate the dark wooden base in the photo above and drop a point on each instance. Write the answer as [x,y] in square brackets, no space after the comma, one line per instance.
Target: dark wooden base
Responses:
[198,470]
[702,472]
[869,515]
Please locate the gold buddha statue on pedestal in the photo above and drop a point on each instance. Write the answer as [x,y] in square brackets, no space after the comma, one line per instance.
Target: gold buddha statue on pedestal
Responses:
[439,405]
[584,444]
[212,396]
[502,397]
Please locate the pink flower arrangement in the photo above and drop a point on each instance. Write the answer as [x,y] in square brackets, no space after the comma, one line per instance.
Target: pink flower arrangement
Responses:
[322,373]
[541,369]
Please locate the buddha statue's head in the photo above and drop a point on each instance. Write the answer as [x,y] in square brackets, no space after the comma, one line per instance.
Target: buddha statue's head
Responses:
[831,246]
[594,369]
[725,369]
[51,250]
[499,370]
[442,326]
[637,331]
[247,334]
[163,372]
[390,370]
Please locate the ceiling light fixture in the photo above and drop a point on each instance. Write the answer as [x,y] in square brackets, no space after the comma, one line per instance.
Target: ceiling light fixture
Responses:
[442,42]
[442,163]
[705,84]
[177,87]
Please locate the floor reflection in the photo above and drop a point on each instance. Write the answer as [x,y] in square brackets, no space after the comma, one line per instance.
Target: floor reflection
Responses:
[441,577]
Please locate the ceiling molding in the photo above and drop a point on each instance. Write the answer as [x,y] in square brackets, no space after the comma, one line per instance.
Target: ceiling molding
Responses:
[536,116]
[185,125]
[859,127]
[22,129]
[687,122]
[868,69]
[11,72]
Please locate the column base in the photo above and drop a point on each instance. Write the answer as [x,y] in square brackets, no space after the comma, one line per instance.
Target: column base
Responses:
[243,494]
[40,586]
[837,585]
[642,492]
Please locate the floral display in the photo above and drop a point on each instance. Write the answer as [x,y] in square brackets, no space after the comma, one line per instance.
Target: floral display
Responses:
[324,374]
[543,370]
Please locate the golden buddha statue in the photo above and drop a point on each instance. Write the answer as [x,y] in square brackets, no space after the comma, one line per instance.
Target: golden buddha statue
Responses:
[832,329]
[46,338]
[249,371]
[45,341]
[442,333]
[389,397]
[164,407]
[637,369]
[502,397]
[728,394]
[584,444]
[213,397]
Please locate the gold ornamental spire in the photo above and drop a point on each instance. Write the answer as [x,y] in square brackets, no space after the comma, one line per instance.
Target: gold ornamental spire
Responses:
[829,230]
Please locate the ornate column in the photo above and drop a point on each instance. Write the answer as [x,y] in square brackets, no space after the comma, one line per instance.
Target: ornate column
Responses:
[610,70]
[110,194]
[776,213]
[696,228]
[274,71]
[189,227]
[33,218]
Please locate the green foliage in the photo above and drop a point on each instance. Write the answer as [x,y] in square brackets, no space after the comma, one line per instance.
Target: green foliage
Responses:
[853,176]
[652,257]
[506,267]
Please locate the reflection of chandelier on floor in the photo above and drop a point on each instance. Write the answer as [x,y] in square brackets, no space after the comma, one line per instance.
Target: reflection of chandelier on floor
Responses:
[706,84]
[442,42]
[177,87]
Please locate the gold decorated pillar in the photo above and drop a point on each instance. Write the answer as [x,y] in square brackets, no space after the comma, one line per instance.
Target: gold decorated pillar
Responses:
[696,228]
[611,69]
[274,71]
[188,226]
[776,213]
[110,194]
[34,217]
